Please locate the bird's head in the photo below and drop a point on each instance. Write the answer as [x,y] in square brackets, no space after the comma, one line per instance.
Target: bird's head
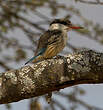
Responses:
[63,25]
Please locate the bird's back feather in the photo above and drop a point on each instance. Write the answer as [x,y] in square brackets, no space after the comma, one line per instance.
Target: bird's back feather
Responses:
[49,45]
[47,38]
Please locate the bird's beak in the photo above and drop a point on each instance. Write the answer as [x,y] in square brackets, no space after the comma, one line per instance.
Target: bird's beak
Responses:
[75,27]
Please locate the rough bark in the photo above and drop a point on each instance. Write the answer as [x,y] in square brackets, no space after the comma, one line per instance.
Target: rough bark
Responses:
[83,67]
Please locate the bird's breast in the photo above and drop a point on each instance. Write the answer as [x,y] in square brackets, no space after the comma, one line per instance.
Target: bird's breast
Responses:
[65,38]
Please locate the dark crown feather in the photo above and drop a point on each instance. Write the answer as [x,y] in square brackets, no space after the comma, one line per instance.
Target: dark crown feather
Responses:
[61,21]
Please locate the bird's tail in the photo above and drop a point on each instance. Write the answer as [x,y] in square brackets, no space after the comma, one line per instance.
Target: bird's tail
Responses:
[38,57]
[35,59]
[30,60]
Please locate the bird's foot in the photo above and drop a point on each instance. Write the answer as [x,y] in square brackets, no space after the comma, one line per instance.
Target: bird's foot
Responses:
[59,56]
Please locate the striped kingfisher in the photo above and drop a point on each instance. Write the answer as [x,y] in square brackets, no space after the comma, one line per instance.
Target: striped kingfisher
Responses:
[53,40]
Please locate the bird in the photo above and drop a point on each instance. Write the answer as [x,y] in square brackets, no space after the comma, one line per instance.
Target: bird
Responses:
[53,40]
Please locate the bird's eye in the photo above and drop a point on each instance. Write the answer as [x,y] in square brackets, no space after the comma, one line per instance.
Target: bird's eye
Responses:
[64,23]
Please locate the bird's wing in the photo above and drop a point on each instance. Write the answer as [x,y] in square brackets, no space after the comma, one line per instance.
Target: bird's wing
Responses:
[42,42]
[46,42]
[48,38]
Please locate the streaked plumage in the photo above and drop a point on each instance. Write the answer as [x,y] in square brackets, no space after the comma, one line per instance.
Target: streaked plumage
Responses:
[52,41]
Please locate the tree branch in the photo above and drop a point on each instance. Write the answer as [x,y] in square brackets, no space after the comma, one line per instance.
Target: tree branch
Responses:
[83,67]
[97,2]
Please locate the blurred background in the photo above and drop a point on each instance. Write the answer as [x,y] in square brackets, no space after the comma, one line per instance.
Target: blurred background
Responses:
[21,24]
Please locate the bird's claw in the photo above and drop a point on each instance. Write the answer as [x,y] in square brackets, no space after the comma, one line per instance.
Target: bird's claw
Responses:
[59,56]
